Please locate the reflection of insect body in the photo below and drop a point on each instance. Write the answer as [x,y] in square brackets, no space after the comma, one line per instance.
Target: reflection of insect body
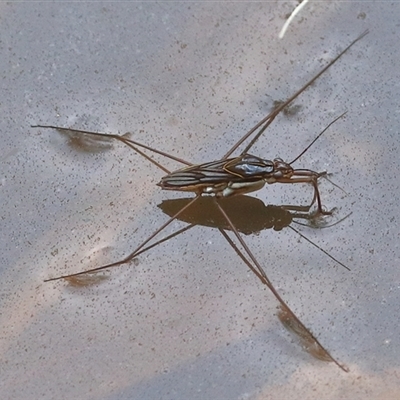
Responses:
[224,178]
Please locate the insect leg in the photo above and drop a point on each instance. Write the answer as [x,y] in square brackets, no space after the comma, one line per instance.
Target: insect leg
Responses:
[130,143]
[131,256]
[258,270]
[265,122]
[319,248]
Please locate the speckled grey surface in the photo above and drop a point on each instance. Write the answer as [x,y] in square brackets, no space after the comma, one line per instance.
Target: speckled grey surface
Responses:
[190,321]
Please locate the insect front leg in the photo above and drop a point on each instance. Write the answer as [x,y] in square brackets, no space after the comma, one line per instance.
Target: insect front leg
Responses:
[308,176]
[317,196]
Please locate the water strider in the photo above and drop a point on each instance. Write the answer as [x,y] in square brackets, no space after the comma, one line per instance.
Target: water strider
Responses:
[229,176]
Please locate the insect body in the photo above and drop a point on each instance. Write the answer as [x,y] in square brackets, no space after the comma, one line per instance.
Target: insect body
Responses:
[238,175]
[226,178]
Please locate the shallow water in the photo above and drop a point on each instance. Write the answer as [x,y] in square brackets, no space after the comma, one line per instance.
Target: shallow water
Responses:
[190,321]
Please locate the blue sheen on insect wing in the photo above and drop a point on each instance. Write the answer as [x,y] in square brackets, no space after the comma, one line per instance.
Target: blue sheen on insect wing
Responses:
[252,165]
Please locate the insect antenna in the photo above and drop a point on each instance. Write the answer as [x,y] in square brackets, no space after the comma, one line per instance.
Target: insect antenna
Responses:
[319,135]
[316,175]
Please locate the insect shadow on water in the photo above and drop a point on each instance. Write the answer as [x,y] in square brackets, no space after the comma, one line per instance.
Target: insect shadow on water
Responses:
[225,178]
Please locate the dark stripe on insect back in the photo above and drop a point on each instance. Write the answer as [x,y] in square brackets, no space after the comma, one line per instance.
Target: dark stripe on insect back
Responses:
[214,165]
[185,178]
